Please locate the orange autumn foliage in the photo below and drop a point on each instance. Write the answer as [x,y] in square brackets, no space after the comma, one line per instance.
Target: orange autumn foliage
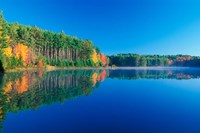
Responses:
[40,63]
[96,77]
[103,59]
[21,52]
[98,57]
[20,85]
[23,85]
[102,76]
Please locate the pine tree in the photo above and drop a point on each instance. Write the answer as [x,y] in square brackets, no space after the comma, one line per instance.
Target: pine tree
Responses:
[3,32]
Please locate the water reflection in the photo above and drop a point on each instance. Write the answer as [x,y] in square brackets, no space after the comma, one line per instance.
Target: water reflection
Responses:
[30,90]
[156,74]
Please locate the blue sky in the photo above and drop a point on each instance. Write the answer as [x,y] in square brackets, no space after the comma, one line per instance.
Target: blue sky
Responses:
[117,26]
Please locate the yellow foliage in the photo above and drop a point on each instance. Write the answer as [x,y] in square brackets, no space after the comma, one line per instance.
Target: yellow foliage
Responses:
[94,78]
[21,51]
[94,56]
[8,38]
[8,87]
[8,51]
[22,86]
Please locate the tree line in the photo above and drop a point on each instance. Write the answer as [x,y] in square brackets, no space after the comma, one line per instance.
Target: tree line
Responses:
[25,46]
[136,60]
[30,46]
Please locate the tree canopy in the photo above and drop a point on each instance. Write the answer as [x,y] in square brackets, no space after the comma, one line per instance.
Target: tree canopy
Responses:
[27,46]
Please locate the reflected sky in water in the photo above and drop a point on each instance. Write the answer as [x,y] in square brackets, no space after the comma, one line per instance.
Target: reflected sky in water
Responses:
[101,101]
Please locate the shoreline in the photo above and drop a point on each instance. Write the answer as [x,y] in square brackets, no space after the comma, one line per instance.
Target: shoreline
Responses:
[53,68]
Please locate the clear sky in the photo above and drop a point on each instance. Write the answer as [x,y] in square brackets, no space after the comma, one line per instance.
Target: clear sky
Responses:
[117,26]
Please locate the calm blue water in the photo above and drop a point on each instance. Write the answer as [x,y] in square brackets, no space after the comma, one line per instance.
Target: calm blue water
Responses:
[117,101]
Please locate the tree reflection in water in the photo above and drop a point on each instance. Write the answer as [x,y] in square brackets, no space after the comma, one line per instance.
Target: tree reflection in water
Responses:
[30,90]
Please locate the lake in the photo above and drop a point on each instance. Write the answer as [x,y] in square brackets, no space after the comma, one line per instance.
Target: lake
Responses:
[164,100]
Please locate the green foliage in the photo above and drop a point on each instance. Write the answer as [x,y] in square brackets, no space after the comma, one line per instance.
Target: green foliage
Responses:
[3,32]
[56,49]
[79,63]
[134,60]
[59,49]
[90,63]
[41,58]
[97,50]
[143,61]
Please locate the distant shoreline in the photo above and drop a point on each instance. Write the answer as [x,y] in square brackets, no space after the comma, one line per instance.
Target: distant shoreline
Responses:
[150,68]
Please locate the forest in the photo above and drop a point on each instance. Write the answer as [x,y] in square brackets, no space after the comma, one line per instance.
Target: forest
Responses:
[136,60]
[30,46]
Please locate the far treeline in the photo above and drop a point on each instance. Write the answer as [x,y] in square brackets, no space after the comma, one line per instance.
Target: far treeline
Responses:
[135,60]
[26,46]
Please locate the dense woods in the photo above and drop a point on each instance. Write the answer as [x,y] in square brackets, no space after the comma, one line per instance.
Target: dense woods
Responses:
[26,46]
[135,60]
